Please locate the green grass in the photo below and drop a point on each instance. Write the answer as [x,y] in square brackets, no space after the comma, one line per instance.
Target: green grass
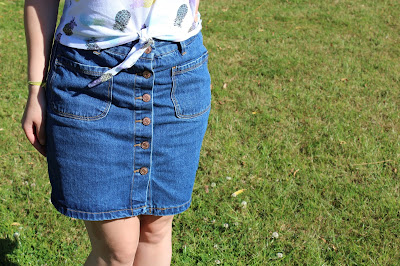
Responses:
[305,117]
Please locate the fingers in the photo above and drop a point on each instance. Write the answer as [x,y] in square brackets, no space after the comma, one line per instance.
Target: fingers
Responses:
[32,135]
[33,120]
[41,133]
[29,132]
[40,148]
[40,143]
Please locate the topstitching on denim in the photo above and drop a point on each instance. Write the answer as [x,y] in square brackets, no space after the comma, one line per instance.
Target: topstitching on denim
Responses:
[82,68]
[61,61]
[179,70]
[191,65]
[148,193]
[131,209]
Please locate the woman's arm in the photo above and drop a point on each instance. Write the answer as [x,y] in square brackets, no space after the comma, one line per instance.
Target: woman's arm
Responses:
[40,17]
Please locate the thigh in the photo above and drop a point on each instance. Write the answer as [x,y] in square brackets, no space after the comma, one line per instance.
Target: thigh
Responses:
[115,234]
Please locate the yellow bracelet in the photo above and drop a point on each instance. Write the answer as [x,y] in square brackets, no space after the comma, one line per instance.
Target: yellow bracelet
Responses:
[37,83]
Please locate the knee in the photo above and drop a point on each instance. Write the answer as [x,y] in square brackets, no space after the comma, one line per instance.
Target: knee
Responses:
[156,231]
[113,242]
[153,236]
[121,255]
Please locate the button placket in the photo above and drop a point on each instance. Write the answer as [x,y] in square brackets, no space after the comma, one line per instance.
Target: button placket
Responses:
[143,98]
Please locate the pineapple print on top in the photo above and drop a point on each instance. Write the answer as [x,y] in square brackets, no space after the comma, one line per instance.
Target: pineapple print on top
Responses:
[121,20]
[148,3]
[91,44]
[182,11]
[142,3]
[192,27]
[93,25]
[69,27]
[58,37]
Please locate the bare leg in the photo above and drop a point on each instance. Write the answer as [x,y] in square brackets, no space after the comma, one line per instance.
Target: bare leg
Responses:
[155,246]
[113,242]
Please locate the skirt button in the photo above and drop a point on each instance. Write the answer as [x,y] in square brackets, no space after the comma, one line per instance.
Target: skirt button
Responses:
[146,97]
[146,74]
[145,145]
[146,121]
[143,171]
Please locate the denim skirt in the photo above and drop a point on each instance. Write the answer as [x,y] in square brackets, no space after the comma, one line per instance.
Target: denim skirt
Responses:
[131,145]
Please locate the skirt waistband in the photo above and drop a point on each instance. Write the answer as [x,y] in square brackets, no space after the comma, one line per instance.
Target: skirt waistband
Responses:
[144,45]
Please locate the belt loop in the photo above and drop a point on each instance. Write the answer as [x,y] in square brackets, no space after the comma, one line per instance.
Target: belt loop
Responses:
[182,47]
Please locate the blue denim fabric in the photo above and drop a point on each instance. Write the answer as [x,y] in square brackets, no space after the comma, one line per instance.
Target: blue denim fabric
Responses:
[101,140]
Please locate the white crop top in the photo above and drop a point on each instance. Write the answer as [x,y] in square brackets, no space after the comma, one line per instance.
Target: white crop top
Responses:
[101,24]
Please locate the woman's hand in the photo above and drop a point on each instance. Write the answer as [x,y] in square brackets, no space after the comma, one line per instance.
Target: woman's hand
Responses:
[33,121]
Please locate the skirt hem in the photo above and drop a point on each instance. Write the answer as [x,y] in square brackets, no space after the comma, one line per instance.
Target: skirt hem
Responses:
[119,214]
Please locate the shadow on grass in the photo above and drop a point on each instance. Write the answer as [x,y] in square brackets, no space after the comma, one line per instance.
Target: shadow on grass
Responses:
[6,247]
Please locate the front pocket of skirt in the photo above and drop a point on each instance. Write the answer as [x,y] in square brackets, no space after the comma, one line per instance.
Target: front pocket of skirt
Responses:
[191,90]
[69,95]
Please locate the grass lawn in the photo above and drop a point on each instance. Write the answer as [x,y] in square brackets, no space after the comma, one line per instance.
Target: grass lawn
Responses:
[305,119]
